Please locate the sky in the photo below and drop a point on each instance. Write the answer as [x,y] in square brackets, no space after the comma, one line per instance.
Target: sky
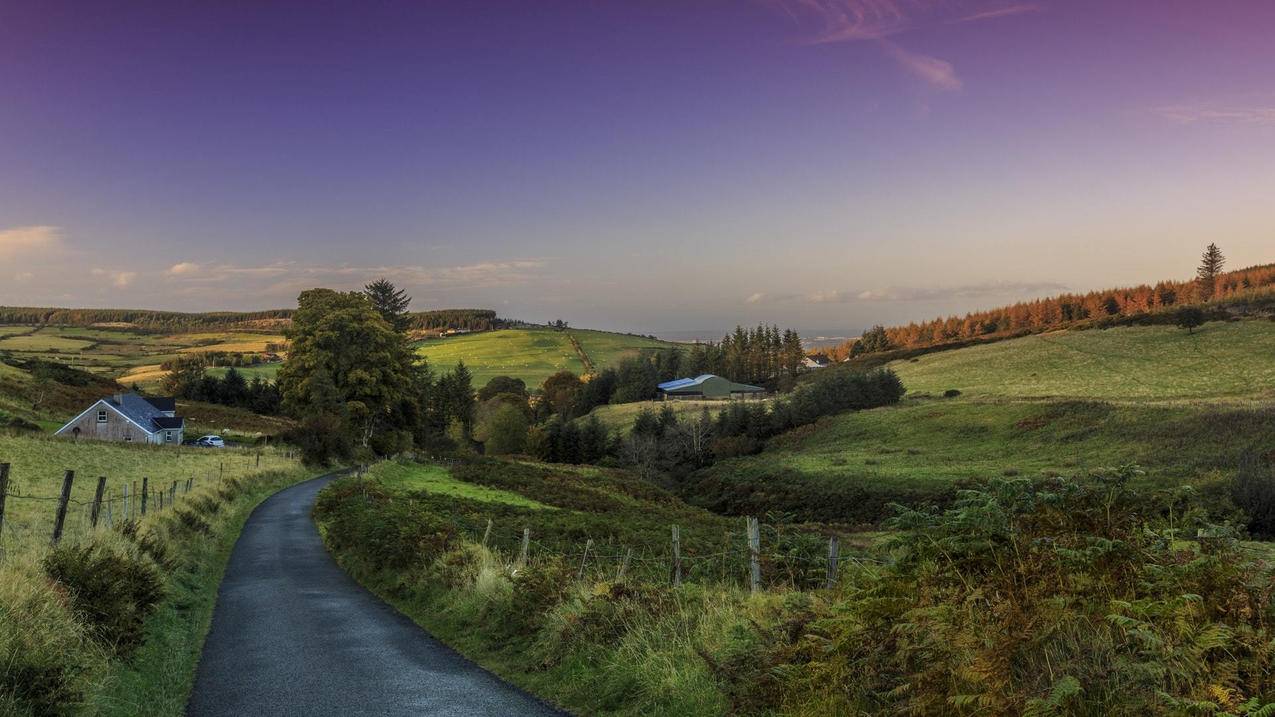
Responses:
[651,166]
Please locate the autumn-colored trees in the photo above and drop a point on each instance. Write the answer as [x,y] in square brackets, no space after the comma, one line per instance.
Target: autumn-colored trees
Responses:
[1068,310]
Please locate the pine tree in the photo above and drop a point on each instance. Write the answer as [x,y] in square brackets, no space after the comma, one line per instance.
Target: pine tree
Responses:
[390,302]
[1206,276]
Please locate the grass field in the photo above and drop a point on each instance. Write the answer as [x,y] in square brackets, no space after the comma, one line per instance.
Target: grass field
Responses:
[531,354]
[128,356]
[38,464]
[409,477]
[620,417]
[1221,360]
[1183,406]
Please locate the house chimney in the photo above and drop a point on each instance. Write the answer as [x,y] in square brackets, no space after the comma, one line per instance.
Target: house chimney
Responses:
[119,398]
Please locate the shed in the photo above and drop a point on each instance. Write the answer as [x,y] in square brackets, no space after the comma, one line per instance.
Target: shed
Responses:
[708,386]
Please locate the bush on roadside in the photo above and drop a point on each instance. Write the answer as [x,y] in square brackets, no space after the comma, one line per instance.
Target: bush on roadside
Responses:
[111,590]
[47,665]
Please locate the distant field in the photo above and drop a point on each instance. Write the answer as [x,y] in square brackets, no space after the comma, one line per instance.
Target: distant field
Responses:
[851,466]
[123,354]
[38,464]
[620,417]
[530,354]
[1220,360]
[266,371]
[408,477]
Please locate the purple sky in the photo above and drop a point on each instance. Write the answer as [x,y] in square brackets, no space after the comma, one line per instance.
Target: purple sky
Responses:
[649,166]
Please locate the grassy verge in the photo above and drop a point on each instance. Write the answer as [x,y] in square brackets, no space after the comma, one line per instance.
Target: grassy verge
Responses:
[111,621]
[1045,597]
[157,680]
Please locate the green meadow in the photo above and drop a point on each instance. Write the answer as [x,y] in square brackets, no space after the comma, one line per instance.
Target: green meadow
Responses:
[1220,360]
[531,354]
[38,463]
[1185,407]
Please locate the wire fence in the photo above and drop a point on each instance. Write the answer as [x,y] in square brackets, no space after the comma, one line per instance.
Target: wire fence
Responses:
[752,557]
[33,518]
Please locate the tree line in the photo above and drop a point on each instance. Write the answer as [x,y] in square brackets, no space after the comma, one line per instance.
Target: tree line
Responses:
[1211,284]
[148,320]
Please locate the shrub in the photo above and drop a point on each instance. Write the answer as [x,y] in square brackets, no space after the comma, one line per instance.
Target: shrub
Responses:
[46,664]
[148,542]
[1253,491]
[111,590]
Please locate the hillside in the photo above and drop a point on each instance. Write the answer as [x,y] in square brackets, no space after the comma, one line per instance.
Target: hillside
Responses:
[1184,406]
[533,354]
[1140,363]
[1243,292]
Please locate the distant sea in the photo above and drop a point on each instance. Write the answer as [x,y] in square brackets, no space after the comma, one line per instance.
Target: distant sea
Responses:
[812,338]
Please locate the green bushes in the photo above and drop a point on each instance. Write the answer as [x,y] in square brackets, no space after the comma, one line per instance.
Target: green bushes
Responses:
[111,590]
[47,664]
[1253,491]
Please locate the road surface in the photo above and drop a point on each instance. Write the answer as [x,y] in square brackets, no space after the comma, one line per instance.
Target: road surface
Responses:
[292,634]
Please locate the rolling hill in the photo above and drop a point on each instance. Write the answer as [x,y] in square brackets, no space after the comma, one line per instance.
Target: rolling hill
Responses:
[1183,406]
[533,354]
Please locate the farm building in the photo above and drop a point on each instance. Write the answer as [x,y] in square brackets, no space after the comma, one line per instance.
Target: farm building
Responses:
[128,418]
[708,386]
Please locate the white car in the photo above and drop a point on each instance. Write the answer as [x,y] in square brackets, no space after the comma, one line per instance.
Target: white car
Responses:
[211,442]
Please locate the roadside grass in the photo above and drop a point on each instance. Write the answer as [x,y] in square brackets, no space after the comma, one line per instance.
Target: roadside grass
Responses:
[566,627]
[1221,360]
[157,680]
[68,669]
[38,464]
[409,477]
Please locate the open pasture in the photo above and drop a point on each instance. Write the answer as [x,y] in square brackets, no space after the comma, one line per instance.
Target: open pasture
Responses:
[1220,360]
[38,463]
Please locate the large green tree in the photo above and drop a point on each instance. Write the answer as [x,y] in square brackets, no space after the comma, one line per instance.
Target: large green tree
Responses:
[346,362]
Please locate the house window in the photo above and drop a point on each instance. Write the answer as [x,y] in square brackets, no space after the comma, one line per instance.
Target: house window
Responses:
[101,416]
[168,436]
[128,437]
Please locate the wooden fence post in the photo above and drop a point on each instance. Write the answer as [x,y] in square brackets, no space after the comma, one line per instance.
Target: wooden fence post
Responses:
[487,532]
[96,510]
[221,470]
[110,513]
[834,554]
[258,457]
[4,491]
[585,558]
[624,566]
[126,504]
[677,556]
[754,555]
[145,493]
[172,495]
[526,544]
[62,501]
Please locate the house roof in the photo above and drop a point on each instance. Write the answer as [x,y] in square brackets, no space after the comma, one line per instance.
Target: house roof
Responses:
[147,412]
[684,384]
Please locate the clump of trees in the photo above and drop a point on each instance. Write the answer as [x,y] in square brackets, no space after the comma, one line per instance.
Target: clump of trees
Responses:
[356,386]
[763,355]
[188,378]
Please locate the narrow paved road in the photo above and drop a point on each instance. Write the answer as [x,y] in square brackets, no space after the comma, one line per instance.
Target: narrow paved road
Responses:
[292,634]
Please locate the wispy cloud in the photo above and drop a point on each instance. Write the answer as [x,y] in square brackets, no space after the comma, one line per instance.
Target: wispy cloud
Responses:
[995,13]
[1211,113]
[184,268]
[833,21]
[118,279]
[937,73]
[764,298]
[29,239]
[988,290]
